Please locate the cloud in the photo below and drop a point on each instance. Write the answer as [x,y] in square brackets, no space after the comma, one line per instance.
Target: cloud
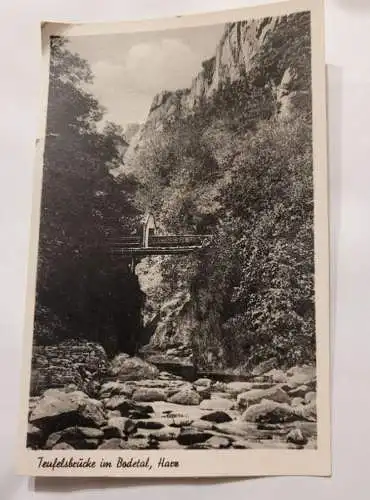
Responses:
[127,87]
[130,68]
[164,65]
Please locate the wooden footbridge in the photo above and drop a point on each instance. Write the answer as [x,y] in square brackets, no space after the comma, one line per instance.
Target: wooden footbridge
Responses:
[149,243]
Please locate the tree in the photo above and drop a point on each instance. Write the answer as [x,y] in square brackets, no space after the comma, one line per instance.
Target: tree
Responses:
[81,205]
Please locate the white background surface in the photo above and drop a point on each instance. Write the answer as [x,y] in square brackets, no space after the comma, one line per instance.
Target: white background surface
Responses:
[347,50]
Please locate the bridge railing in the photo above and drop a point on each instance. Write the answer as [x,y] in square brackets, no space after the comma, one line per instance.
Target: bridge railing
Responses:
[127,242]
[175,240]
[159,241]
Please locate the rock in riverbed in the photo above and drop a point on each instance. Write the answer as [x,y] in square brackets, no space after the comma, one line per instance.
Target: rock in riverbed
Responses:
[57,410]
[296,436]
[187,397]
[125,368]
[189,436]
[255,396]
[148,395]
[217,417]
[272,412]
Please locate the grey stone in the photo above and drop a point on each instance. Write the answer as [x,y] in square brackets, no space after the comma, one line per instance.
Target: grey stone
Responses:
[148,395]
[296,436]
[189,436]
[58,410]
[255,396]
[187,397]
[217,417]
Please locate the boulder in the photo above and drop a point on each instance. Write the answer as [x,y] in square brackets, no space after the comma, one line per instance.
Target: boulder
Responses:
[156,383]
[53,439]
[255,396]
[119,403]
[272,412]
[238,428]
[308,429]
[110,389]
[147,395]
[58,410]
[264,385]
[307,412]
[70,388]
[296,436]
[179,386]
[301,375]
[125,425]
[236,388]
[297,401]
[204,392]
[187,397]
[219,386]
[217,417]
[248,430]
[310,397]
[189,436]
[241,445]
[80,438]
[150,424]
[219,442]
[202,425]
[165,434]
[63,446]
[32,403]
[126,368]
[138,413]
[203,382]
[216,404]
[86,432]
[299,392]
[264,367]
[135,444]
[111,432]
[276,376]
[113,413]
[35,437]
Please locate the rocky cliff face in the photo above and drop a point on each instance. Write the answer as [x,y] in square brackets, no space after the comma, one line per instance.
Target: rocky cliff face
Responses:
[238,55]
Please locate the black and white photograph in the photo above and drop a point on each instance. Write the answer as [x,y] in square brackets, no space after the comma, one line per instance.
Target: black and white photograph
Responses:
[176,281]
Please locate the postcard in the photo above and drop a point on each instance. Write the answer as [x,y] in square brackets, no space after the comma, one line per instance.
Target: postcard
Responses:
[178,291]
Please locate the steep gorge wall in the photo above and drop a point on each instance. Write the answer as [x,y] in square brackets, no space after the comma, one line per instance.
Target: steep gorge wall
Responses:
[246,50]
[236,56]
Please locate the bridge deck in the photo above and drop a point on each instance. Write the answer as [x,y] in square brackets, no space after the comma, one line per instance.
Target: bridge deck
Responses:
[146,251]
[157,245]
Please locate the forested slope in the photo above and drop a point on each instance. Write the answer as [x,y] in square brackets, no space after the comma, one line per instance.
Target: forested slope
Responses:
[232,156]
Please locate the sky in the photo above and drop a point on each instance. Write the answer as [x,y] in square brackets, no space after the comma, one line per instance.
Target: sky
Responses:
[131,68]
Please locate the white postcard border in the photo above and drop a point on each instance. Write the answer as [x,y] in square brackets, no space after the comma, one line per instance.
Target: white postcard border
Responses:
[201,463]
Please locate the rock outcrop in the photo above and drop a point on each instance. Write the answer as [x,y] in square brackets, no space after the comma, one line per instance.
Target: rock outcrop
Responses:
[248,51]
[236,56]
[73,362]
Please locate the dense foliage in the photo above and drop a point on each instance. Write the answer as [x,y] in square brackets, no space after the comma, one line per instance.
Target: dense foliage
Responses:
[236,169]
[81,291]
